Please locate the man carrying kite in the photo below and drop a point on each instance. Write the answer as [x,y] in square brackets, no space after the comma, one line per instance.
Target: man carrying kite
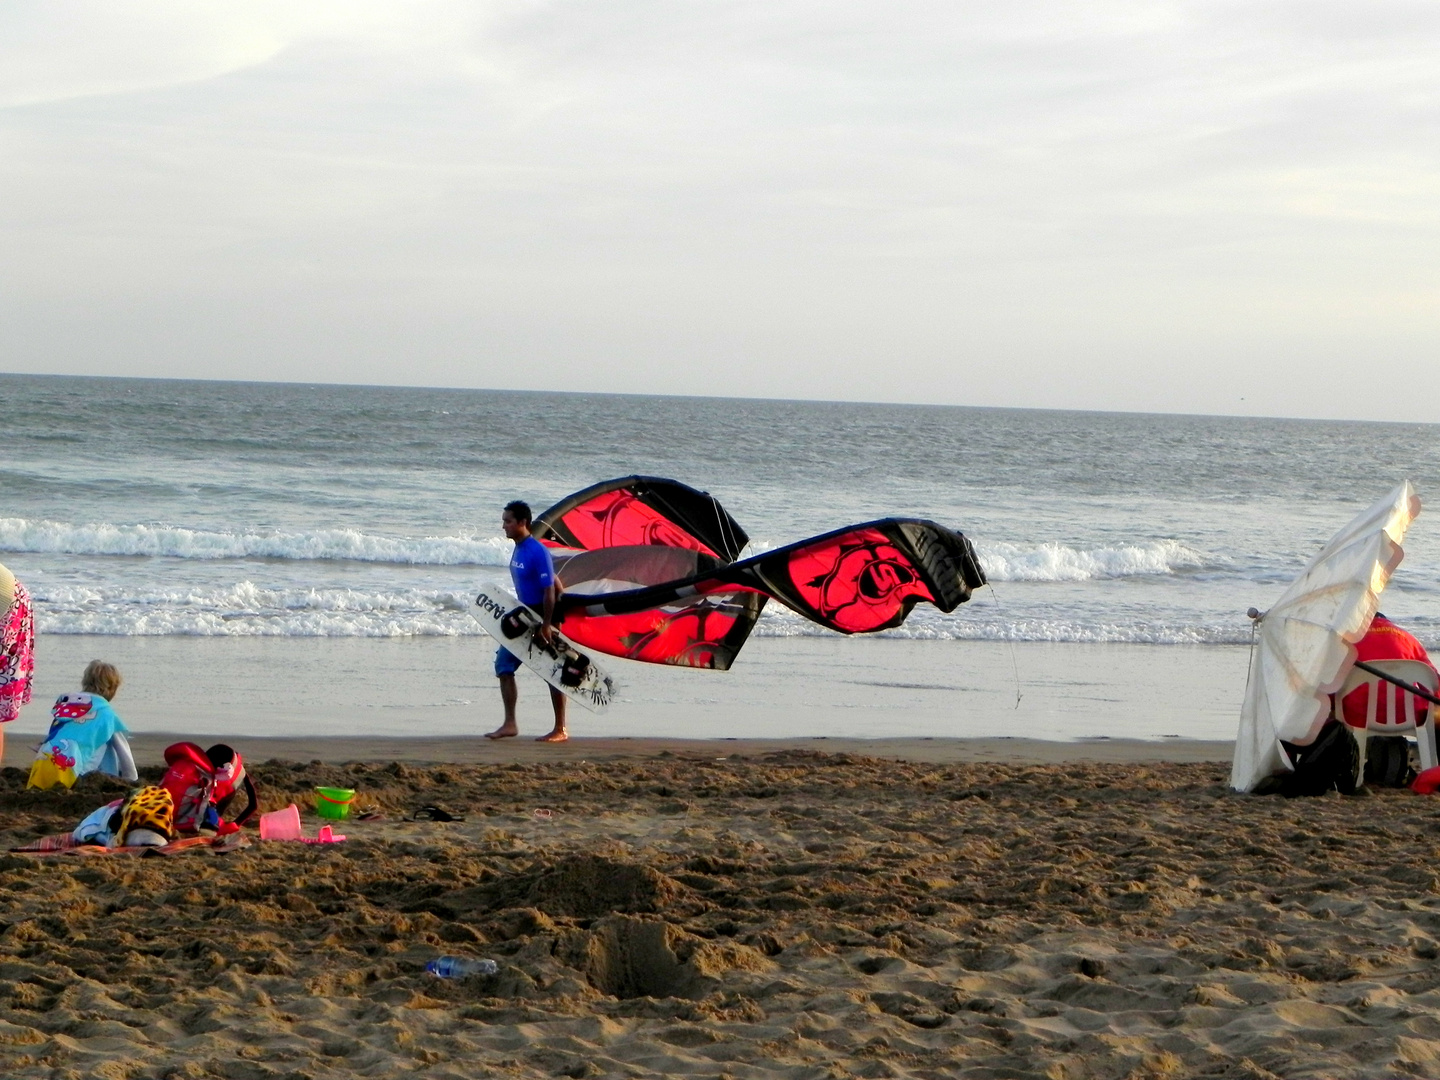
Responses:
[533,572]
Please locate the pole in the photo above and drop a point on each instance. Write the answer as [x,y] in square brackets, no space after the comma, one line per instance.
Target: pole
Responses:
[1414,688]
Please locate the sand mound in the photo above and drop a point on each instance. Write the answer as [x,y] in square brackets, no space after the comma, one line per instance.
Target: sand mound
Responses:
[587,886]
[629,957]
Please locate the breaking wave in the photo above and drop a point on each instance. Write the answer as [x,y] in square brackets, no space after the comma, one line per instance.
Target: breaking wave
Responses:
[988,624]
[249,610]
[1002,561]
[1057,562]
[103,538]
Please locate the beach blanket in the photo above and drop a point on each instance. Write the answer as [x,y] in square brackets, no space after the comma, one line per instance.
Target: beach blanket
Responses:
[66,844]
[17,655]
[86,735]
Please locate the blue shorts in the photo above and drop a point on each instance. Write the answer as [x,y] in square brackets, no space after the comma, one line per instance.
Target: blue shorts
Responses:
[506,662]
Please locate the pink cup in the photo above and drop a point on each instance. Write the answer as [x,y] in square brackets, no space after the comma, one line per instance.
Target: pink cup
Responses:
[281,824]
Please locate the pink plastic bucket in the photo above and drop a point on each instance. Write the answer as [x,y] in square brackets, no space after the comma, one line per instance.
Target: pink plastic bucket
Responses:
[281,824]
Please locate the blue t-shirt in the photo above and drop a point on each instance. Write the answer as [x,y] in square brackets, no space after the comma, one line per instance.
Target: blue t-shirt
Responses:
[532,570]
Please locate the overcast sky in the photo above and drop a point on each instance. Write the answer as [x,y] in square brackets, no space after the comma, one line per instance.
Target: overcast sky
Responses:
[1228,207]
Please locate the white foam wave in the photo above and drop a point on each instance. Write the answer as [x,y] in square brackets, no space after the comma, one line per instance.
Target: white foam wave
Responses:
[1002,561]
[1045,630]
[1057,562]
[104,538]
[249,610]
[981,624]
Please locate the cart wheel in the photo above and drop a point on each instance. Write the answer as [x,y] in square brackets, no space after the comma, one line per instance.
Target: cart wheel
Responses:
[1387,760]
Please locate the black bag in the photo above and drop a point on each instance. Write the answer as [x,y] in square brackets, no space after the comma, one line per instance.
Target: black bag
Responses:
[1330,763]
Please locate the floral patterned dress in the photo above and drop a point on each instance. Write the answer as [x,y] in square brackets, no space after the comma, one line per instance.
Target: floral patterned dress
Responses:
[17,655]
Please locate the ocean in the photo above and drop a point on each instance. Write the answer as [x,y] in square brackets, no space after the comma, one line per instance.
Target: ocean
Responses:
[204,525]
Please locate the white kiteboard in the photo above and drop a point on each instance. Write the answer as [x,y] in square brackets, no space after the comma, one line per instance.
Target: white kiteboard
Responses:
[560,663]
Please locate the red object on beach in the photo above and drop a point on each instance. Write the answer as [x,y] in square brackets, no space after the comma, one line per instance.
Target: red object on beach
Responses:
[1428,782]
[1384,641]
[191,783]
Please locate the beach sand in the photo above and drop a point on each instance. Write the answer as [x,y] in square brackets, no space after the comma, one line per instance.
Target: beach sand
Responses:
[740,910]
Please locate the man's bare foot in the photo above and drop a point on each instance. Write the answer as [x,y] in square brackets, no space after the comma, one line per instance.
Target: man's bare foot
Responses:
[554,736]
[504,731]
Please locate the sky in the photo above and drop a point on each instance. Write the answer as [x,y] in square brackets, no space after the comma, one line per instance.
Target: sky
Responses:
[1206,207]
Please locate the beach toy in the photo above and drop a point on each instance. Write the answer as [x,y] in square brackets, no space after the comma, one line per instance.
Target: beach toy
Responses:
[325,837]
[334,802]
[281,824]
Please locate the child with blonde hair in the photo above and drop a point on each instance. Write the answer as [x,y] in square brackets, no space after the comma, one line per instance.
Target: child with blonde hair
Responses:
[101,678]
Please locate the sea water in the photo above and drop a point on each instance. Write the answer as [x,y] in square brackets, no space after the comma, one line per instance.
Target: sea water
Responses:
[328,529]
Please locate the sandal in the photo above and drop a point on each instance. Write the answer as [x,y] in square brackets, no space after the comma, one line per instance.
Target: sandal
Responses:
[434,813]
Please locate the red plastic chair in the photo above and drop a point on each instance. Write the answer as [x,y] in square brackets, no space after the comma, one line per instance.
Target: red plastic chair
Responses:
[1392,710]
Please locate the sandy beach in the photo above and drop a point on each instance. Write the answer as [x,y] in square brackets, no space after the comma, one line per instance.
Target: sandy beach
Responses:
[804,687]
[742,910]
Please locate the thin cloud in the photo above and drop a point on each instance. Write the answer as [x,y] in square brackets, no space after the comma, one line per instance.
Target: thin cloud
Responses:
[1107,205]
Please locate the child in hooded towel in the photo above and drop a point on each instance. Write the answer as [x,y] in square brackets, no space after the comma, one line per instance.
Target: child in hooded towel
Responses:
[86,735]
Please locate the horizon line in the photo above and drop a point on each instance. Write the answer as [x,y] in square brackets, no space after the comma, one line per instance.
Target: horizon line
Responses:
[316,383]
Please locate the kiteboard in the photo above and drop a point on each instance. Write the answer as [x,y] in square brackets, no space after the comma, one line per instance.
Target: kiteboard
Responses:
[559,663]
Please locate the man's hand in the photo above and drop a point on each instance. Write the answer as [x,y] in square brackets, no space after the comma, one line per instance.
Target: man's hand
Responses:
[547,613]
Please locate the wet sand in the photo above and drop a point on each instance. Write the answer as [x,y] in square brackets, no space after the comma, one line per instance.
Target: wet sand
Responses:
[727,910]
[808,686]
[475,749]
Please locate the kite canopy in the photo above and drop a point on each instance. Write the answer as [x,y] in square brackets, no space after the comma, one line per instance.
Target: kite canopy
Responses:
[639,532]
[855,580]
[703,631]
[1306,641]
[696,631]
[649,573]
[868,577]
[642,510]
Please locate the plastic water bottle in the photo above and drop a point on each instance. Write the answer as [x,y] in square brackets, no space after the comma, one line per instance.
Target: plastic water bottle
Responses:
[457,967]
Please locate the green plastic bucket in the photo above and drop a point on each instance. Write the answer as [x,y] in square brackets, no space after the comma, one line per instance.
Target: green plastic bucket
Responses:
[334,802]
